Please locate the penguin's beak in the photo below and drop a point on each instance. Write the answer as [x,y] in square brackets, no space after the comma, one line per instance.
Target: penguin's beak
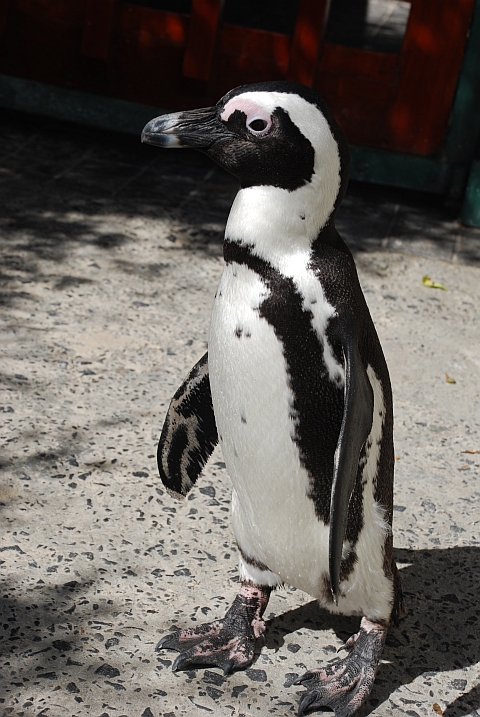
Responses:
[198,129]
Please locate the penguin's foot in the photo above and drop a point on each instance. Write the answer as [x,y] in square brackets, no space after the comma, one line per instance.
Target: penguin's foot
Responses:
[344,686]
[228,643]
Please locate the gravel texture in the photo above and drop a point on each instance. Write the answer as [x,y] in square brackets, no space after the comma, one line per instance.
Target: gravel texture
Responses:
[110,257]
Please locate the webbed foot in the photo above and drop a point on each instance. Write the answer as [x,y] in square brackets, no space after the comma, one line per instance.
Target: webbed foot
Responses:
[344,686]
[228,643]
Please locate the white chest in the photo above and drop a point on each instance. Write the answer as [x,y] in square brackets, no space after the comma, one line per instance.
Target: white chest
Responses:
[273,518]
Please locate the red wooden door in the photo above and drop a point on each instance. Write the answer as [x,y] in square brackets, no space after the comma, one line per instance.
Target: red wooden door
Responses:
[172,60]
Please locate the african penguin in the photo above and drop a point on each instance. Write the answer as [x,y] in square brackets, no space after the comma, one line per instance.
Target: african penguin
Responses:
[294,386]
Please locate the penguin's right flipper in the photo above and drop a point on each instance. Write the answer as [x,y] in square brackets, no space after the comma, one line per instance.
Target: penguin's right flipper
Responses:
[356,425]
[189,433]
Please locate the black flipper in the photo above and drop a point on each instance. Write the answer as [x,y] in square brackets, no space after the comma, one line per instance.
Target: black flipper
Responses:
[189,433]
[356,426]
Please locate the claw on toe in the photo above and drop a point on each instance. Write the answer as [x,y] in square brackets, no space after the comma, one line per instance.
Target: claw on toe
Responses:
[303,678]
[228,667]
[305,703]
[178,664]
[163,642]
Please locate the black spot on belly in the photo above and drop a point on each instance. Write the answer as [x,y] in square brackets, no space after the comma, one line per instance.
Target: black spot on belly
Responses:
[240,331]
[243,418]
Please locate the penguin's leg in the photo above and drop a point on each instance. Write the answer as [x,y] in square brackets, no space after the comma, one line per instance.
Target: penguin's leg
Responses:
[228,643]
[344,686]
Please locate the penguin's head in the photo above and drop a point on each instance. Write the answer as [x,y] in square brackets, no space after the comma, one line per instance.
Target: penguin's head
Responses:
[274,134]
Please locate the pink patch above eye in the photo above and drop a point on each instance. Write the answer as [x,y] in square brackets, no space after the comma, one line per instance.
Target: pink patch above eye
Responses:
[252,111]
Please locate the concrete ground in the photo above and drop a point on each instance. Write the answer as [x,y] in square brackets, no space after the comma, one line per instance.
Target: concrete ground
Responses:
[110,257]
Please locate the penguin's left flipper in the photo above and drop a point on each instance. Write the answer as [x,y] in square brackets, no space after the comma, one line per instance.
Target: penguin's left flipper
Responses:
[356,426]
[344,686]
[228,643]
[189,433]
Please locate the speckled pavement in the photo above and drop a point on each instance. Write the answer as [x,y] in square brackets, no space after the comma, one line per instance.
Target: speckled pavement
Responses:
[110,256]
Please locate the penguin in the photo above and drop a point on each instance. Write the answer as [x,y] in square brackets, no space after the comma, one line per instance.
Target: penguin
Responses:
[294,386]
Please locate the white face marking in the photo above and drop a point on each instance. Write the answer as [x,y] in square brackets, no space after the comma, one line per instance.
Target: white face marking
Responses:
[258,120]
[275,220]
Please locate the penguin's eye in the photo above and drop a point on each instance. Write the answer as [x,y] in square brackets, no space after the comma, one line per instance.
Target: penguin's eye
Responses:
[258,125]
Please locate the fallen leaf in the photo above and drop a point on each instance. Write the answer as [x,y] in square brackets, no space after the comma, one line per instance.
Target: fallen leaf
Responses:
[436,708]
[473,453]
[449,379]
[427,281]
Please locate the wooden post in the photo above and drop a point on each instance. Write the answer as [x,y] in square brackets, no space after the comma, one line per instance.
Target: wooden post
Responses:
[203,31]
[430,63]
[307,40]
[97,29]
